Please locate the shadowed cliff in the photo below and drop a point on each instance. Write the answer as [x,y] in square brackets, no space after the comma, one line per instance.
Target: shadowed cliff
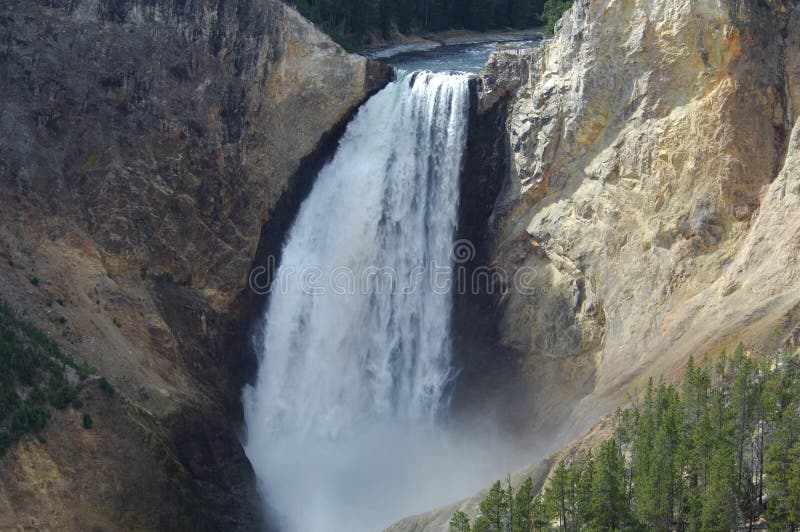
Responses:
[144,147]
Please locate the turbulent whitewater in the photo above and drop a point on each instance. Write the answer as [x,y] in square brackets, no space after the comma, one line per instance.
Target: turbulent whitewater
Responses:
[344,419]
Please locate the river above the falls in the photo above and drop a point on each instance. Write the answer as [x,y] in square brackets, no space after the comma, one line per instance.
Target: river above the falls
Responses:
[452,51]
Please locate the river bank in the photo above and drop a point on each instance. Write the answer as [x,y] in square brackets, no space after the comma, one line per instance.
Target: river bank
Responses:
[429,41]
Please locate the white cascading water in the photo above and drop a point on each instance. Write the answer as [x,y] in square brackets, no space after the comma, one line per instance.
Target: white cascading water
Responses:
[342,423]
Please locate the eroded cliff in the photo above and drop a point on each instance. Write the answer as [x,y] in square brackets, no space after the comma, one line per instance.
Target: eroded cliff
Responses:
[650,145]
[650,180]
[147,148]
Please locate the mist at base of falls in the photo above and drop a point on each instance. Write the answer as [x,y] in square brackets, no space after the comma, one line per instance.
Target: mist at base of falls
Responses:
[347,422]
[378,475]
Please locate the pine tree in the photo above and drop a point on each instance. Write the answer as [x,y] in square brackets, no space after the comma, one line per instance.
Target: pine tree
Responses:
[697,459]
[552,11]
[459,522]
[793,487]
[782,467]
[478,14]
[666,465]
[743,402]
[519,12]
[574,472]
[720,511]
[609,504]
[541,518]
[719,503]
[508,504]
[583,496]
[522,513]
[641,461]
[697,441]
[481,524]
[556,497]
[494,508]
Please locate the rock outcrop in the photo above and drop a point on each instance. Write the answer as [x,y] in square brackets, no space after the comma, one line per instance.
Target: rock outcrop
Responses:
[646,184]
[146,148]
[651,183]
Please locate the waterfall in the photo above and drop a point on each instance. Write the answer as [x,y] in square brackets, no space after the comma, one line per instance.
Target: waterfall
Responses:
[354,364]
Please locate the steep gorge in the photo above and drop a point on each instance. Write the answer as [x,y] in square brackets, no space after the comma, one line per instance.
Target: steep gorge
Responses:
[645,162]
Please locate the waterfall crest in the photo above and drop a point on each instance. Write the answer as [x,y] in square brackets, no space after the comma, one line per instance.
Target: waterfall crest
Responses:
[355,346]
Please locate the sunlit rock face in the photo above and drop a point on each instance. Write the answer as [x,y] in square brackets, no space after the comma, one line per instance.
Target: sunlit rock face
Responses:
[143,146]
[649,158]
[650,150]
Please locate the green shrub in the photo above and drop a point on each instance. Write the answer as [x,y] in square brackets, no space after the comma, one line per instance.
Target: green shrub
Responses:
[552,12]
[106,387]
[32,366]
[84,371]
[27,419]
[60,391]
[87,420]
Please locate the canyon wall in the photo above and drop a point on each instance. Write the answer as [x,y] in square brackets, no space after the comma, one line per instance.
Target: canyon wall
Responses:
[650,179]
[147,151]
[649,148]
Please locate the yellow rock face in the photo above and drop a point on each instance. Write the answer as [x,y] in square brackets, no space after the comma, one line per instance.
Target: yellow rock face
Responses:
[659,134]
[654,185]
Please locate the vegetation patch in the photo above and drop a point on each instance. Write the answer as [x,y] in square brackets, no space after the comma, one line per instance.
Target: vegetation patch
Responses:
[106,387]
[721,451]
[33,376]
[353,22]
[552,12]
